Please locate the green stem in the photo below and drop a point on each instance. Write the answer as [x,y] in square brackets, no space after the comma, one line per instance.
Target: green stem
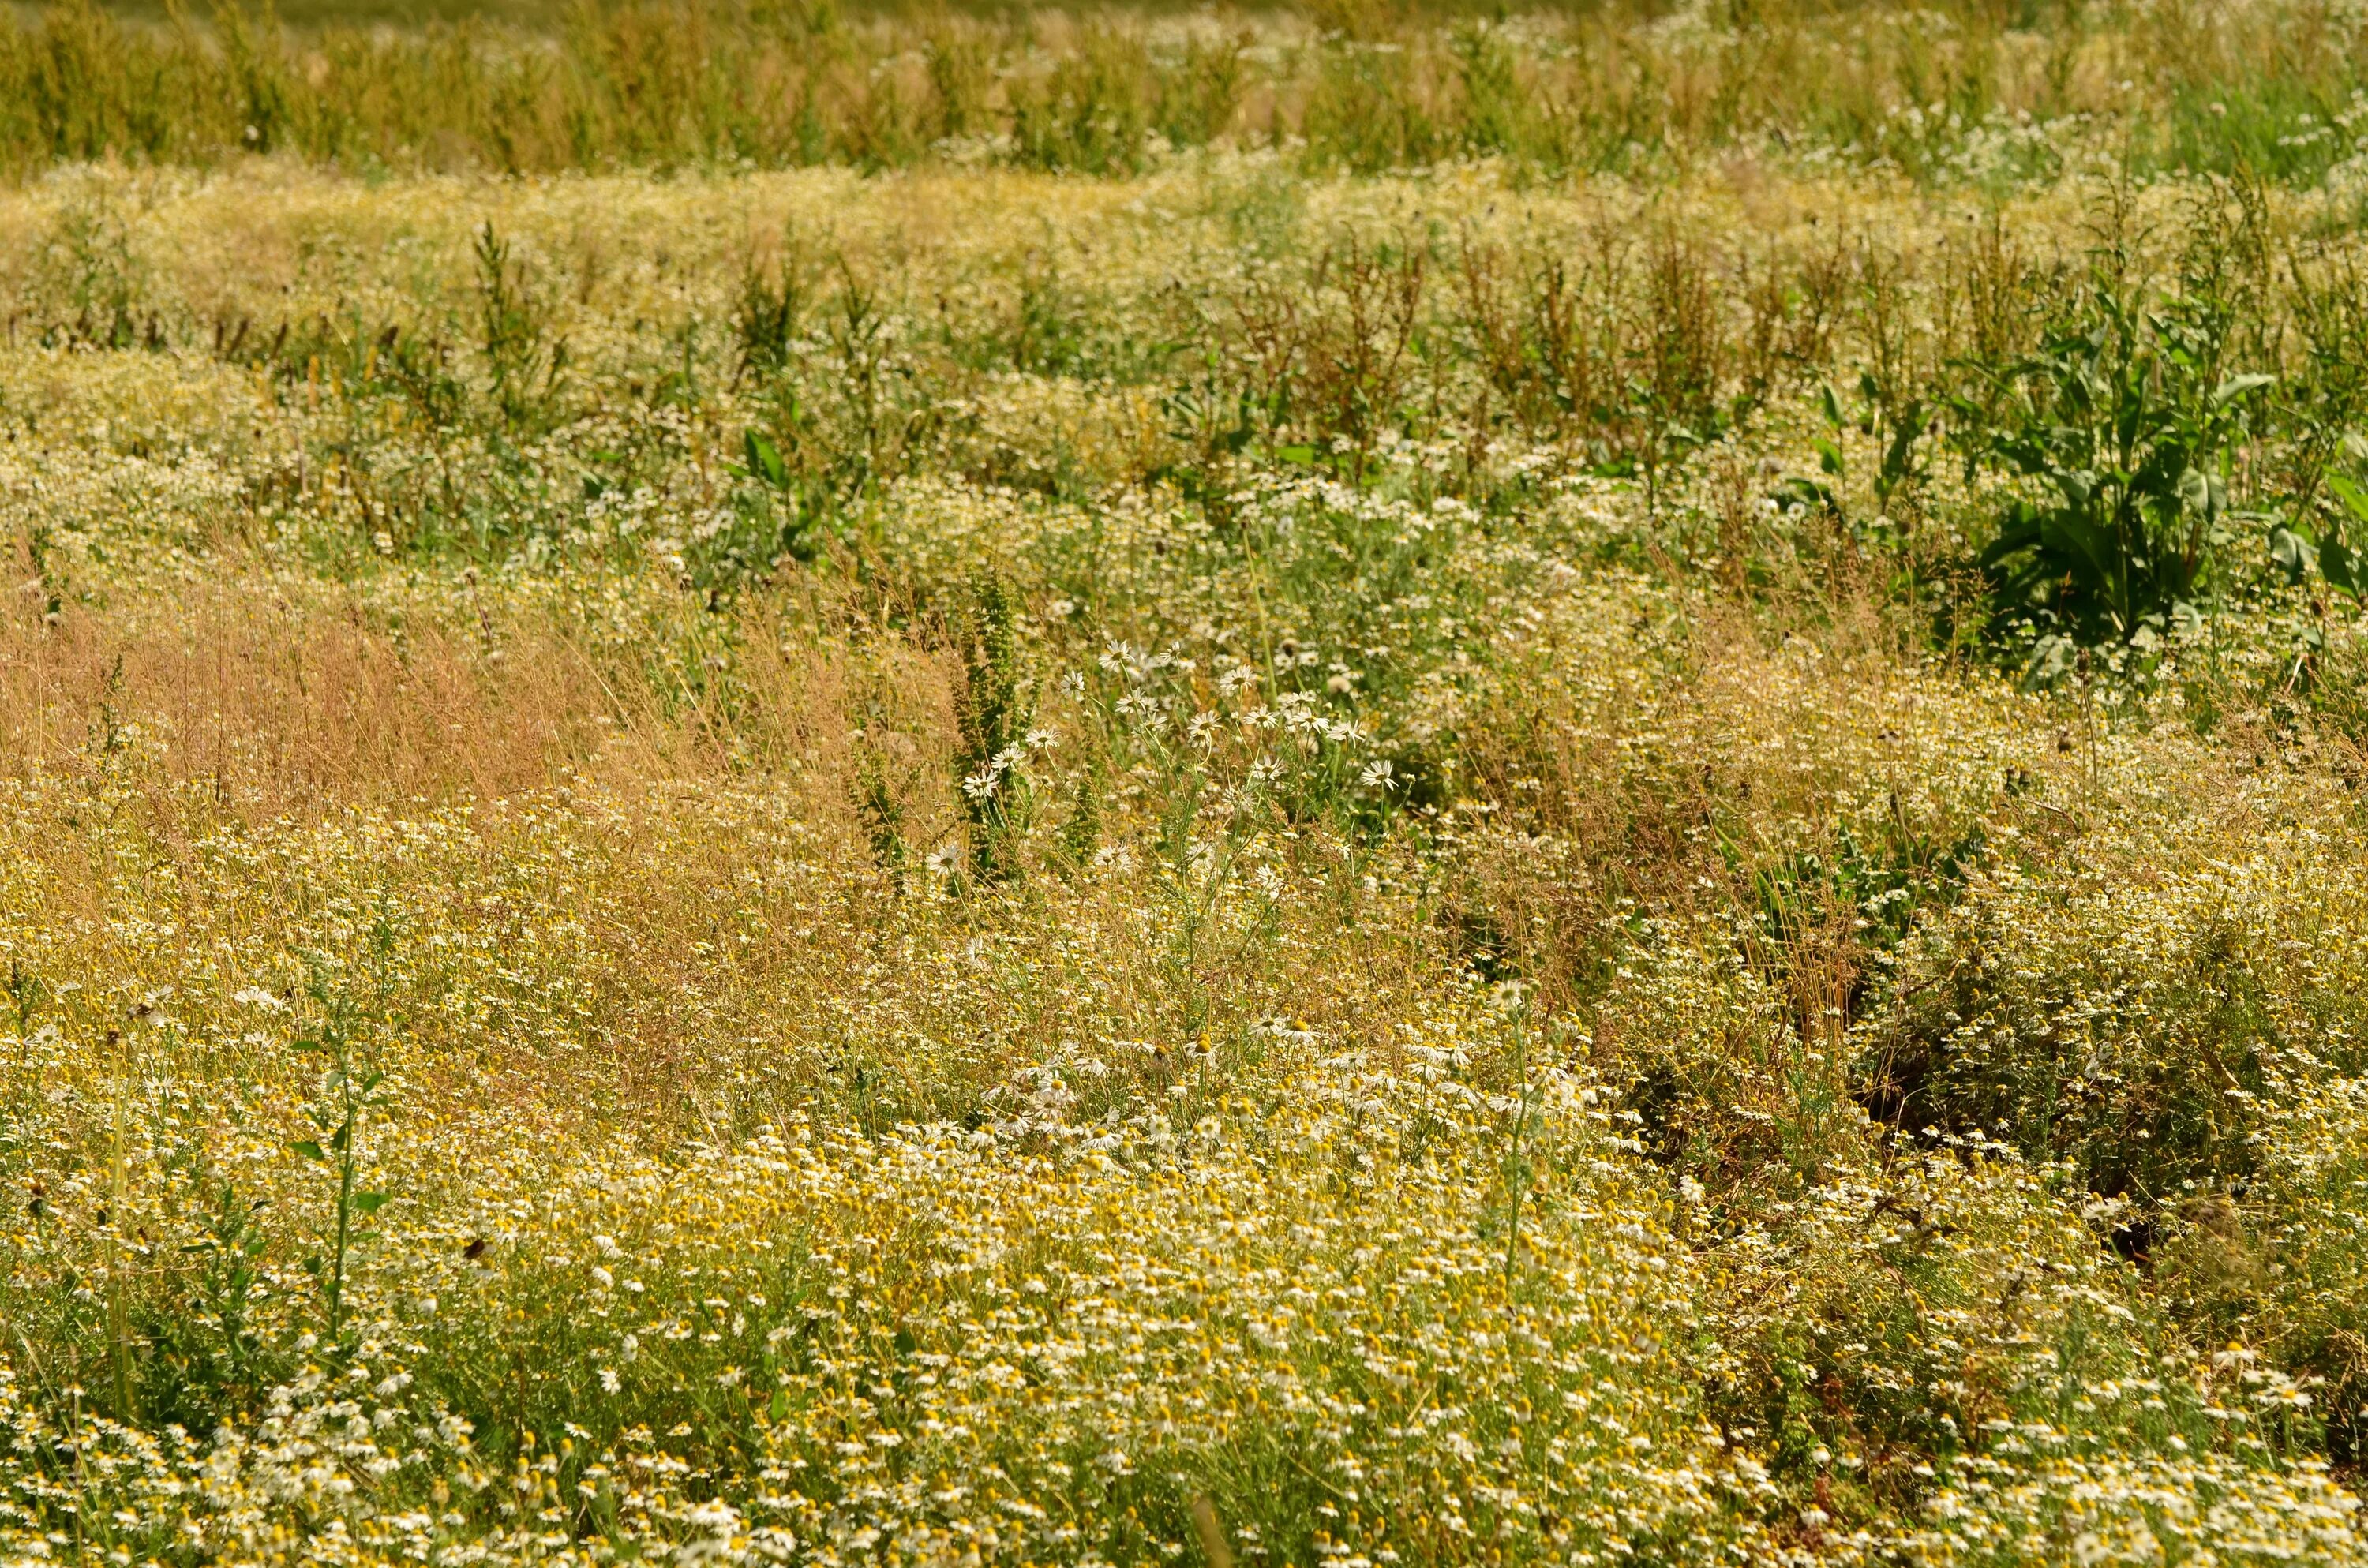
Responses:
[345,1217]
[1516,1175]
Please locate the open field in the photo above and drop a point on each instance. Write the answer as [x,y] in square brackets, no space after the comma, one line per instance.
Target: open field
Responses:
[1336,827]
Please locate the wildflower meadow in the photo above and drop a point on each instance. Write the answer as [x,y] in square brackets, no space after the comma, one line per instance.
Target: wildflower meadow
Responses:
[1350,787]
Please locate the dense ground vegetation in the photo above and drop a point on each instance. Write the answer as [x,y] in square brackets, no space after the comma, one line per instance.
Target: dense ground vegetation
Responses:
[1981,92]
[1277,813]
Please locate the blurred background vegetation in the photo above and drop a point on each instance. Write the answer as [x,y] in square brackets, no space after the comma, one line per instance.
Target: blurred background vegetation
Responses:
[1965,91]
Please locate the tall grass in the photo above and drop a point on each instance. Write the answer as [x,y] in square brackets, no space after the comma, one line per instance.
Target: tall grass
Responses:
[1962,92]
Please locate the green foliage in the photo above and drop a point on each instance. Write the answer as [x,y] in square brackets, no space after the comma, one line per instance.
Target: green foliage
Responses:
[524,361]
[991,714]
[349,1088]
[769,316]
[2302,552]
[2125,422]
[207,1359]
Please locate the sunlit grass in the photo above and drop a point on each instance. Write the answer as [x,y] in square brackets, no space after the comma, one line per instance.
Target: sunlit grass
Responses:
[1244,861]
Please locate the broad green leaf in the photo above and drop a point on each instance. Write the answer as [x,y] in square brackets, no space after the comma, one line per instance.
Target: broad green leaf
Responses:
[765,459]
[309,1149]
[2067,532]
[1903,446]
[2293,553]
[2340,564]
[2354,499]
[2195,491]
[2052,658]
[369,1202]
[2236,387]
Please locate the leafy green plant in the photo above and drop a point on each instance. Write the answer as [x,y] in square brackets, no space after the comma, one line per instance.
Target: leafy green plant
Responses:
[206,1356]
[2126,425]
[1674,381]
[771,311]
[234,1246]
[1897,434]
[991,711]
[2338,560]
[350,1086]
[2300,549]
[776,514]
[1088,113]
[525,362]
[1363,349]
